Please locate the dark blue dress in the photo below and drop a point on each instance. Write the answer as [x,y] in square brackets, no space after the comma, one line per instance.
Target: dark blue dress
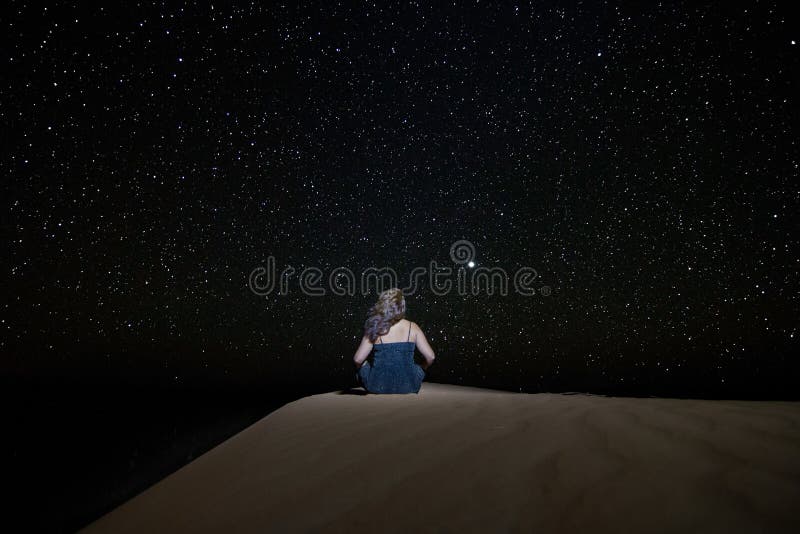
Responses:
[393,369]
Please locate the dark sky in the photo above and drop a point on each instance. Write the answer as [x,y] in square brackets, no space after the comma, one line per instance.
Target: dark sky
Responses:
[641,157]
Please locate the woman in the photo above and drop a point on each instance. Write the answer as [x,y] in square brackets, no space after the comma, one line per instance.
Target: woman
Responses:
[393,338]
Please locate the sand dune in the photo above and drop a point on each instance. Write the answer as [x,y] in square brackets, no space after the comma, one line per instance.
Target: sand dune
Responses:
[458,459]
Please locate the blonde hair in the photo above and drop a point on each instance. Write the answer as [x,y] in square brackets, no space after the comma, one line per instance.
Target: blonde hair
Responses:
[390,308]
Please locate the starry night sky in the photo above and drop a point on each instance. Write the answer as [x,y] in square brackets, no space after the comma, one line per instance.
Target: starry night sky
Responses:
[641,157]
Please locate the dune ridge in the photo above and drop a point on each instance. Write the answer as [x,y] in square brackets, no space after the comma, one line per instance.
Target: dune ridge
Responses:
[460,459]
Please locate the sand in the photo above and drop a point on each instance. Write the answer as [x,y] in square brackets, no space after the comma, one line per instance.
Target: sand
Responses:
[459,459]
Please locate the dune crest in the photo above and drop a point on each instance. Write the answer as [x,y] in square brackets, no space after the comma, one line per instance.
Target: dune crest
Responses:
[460,459]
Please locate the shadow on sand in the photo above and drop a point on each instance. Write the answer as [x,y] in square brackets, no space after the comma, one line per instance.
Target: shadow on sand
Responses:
[353,391]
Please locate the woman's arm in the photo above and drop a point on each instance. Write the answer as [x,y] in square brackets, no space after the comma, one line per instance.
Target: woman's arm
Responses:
[424,347]
[363,351]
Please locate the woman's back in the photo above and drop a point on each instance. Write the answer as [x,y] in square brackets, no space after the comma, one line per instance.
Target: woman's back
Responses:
[401,331]
[393,369]
[391,339]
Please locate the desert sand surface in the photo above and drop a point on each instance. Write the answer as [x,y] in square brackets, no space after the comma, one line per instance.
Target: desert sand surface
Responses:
[459,459]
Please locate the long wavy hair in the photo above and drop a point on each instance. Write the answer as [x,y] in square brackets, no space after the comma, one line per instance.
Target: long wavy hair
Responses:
[390,308]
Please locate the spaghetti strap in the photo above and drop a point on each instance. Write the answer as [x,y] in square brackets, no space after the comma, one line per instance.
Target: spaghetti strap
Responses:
[409,333]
